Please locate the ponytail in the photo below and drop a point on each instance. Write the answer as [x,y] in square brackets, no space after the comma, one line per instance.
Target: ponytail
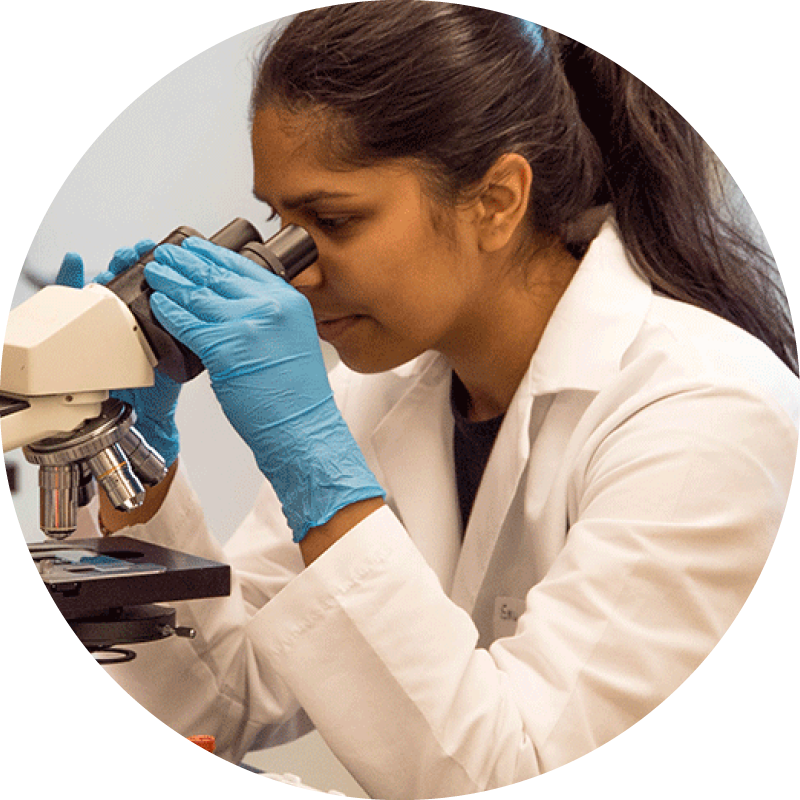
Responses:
[455,87]
[669,197]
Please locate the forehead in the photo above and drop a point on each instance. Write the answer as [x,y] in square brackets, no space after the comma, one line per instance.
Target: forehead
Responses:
[278,132]
[282,143]
[290,151]
[292,158]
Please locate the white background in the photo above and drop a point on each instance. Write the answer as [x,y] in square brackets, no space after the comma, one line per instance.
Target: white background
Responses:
[70,69]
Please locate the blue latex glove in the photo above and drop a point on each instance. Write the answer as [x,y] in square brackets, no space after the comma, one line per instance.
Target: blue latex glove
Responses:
[256,336]
[154,405]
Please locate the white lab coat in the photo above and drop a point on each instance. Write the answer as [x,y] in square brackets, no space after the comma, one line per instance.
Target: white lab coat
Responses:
[625,514]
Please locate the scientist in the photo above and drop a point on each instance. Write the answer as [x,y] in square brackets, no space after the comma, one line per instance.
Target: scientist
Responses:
[558,446]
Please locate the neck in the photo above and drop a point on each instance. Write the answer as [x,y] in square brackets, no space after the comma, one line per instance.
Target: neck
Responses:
[493,355]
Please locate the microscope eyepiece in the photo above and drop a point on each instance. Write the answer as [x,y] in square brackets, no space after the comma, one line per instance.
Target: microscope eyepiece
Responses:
[286,254]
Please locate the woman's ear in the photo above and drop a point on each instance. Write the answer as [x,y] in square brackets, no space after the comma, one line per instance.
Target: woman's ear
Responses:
[503,201]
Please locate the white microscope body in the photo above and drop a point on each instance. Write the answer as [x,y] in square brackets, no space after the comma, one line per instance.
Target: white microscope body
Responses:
[64,350]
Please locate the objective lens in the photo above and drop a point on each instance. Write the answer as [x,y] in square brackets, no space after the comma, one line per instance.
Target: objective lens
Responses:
[113,472]
[146,462]
[94,451]
[58,500]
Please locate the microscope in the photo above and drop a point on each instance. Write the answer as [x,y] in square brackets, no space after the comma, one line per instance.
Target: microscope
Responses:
[55,404]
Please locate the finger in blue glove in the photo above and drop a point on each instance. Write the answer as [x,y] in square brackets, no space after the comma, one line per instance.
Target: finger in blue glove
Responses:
[71,272]
[123,259]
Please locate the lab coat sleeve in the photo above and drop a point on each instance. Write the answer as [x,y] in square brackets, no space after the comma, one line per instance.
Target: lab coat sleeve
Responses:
[212,684]
[675,504]
[387,667]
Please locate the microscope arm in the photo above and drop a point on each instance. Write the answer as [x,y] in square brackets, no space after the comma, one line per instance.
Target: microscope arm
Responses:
[64,350]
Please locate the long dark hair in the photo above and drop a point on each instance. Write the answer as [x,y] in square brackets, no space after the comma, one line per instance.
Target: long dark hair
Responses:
[455,87]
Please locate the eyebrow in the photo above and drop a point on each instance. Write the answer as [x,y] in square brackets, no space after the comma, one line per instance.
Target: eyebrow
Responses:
[292,203]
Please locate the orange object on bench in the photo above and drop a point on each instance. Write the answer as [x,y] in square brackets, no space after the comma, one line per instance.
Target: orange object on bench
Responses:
[206,742]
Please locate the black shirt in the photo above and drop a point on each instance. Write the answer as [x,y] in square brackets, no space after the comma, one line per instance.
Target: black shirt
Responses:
[472,445]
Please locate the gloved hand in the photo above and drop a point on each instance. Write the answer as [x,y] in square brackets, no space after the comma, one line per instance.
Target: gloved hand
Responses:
[256,336]
[154,405]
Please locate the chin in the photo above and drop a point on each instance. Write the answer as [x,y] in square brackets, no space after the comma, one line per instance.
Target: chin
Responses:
[374,361]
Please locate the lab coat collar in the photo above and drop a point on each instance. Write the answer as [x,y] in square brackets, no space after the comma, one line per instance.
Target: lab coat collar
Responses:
[594,323]
[413,447]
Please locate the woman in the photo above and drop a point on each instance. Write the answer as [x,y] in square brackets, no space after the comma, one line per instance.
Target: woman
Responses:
[565,419]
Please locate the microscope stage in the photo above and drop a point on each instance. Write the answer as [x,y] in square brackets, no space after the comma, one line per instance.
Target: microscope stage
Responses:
[88,577]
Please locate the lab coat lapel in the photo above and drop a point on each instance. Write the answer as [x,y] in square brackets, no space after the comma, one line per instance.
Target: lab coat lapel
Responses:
[498,487]
[605,304]
[413,445]
[414,448]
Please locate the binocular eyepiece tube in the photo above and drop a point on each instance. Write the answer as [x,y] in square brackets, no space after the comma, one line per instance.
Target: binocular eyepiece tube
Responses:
[286,254]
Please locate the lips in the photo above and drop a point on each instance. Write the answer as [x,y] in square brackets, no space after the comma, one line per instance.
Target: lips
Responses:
[331,328]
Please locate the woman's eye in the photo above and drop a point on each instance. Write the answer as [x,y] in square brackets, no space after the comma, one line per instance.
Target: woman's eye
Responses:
[332,224]
[329,223]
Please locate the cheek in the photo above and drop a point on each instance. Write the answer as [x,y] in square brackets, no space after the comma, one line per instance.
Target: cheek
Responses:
[407,313]
[403,273]
[379,269]
[419,314]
